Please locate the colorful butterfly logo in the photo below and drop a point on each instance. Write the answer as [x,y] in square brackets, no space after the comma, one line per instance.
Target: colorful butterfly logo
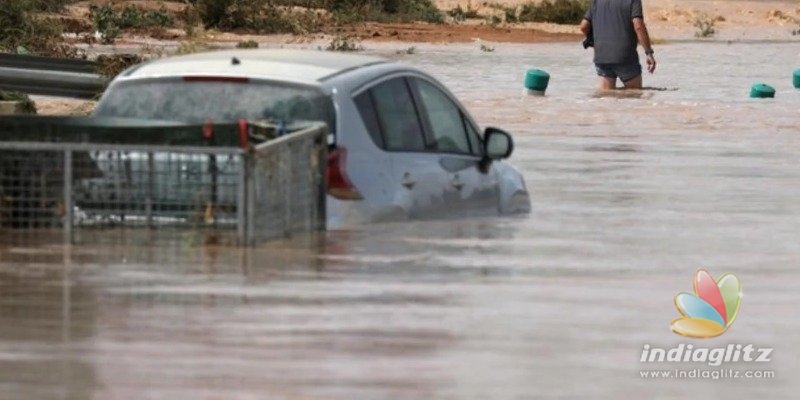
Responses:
[710,311]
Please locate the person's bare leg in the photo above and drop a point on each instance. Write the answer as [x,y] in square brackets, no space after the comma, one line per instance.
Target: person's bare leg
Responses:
[606,83]
[635,83]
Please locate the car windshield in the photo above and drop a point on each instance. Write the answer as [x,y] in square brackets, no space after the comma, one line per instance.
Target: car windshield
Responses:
[198,100]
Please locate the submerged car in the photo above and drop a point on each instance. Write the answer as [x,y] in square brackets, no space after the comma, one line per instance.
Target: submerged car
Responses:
[401,145]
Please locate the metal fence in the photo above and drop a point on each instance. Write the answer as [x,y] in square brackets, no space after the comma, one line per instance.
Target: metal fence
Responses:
[242,194]
[286,188]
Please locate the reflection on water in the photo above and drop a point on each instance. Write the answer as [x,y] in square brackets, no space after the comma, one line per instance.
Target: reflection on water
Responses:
[630,195]
[41,313]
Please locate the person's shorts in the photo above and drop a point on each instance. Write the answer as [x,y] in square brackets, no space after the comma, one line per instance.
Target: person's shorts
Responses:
[624,72]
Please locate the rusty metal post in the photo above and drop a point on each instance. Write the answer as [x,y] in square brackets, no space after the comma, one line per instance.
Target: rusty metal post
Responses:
[241,201]
[68,203]
[151,181]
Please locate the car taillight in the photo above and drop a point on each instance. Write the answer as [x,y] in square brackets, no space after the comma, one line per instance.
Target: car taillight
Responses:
[339,185]
[227,79]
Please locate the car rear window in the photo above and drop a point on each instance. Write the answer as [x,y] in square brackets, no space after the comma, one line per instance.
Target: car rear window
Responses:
[218,100]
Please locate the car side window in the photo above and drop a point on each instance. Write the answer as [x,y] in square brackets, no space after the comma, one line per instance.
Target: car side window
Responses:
[474,138]
[397,116]
[366,107]
[446,122]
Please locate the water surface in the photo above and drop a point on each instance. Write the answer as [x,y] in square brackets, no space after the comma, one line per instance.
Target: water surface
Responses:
[630,196]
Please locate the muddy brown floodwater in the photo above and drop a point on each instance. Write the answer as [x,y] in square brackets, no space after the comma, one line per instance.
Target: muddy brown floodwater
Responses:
[630,196]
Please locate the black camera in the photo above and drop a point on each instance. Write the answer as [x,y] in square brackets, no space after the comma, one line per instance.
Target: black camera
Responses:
[588,41]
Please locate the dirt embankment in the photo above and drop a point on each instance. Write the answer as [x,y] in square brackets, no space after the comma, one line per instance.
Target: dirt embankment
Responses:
[675,19]
[77,18]
[733,20]
[668,20]
[454,33]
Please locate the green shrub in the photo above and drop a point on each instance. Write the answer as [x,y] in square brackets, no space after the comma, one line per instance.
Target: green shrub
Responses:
[278,16]
[347,11]
[130,17]
[212,12]
[259,16]
[111,23]
[511,14]
[344,43]
[135,17]
[105,22]
[51,5]
[28,106]
[20,28]
[110,66]
[249,44]
[555,11]
[460,14]
[423,10]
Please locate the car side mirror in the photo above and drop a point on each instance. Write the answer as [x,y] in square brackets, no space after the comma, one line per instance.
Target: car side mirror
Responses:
[497,144]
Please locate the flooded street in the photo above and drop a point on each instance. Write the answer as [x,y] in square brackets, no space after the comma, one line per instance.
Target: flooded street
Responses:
[630,195]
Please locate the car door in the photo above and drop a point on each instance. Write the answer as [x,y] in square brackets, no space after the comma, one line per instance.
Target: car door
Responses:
[470,186]
[419,180]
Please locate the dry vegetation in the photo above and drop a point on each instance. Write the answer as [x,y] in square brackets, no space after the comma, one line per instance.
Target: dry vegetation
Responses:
[553,11]
[23,30]
[37,26]
[27,106]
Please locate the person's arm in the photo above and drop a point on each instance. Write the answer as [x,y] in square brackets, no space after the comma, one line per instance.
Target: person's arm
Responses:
[644,40]
[586,27]
[637,15]
[586,22]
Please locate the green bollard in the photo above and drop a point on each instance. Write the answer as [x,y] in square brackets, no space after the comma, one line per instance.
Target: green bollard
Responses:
[762,91]
[536,81]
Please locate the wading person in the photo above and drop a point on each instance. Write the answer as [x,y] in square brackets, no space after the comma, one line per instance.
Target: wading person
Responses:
[616,27]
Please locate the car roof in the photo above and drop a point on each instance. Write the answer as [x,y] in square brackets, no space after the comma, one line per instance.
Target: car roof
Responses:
[300,66]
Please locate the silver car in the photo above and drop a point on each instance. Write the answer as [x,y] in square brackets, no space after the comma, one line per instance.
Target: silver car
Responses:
[402,146]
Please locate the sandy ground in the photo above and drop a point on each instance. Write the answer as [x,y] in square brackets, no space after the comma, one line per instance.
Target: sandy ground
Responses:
[674,19]
[55,106]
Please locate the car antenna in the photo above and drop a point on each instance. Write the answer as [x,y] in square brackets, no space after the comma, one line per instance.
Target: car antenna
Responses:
[236,61]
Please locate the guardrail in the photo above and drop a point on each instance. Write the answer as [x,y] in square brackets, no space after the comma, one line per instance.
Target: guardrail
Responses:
[221,185]
[47,63]
[50,76]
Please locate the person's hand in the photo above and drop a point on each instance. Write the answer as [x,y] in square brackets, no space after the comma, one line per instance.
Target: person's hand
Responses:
[651,64]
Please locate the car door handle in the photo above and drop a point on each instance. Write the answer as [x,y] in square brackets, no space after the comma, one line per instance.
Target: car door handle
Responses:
[456,182]
[407,181]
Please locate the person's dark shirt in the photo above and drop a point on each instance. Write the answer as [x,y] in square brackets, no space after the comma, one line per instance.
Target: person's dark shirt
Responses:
[612,25]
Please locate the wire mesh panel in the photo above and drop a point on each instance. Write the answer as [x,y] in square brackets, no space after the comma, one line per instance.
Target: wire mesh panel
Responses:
[157,188]
[30,189]
[189,190]
[287,188]
[93,191]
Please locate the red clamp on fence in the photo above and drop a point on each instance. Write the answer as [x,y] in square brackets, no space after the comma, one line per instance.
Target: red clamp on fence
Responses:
[208,129]
[243,137]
